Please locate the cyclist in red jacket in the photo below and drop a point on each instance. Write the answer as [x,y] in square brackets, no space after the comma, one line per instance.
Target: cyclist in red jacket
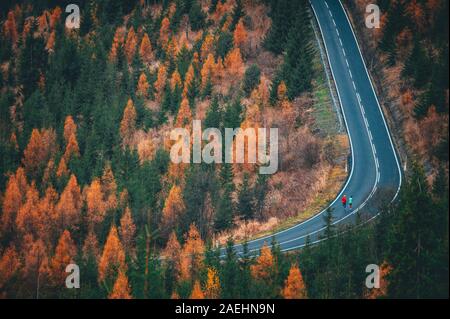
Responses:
[344,201]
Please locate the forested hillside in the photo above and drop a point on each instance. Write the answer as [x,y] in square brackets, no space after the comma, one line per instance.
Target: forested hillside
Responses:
[86,177]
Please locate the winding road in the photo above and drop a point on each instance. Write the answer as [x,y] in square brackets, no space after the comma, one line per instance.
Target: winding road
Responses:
[375,168]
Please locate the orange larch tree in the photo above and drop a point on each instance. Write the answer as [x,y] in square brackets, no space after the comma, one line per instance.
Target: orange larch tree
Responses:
[119,38]
[175,80]
[130,45]
[208,68]
[188,81]
[234,64]
[47,214]
[35,262]
[184,116]
[239,35]
[282,92]
[294,287]
[55,16]
[96,207]
[127,231]
[68,209]
[62,170]
[65,254]
[207,46]
[160,82]
[261,94]
[41,146]
[121,289]
[10,28]
[142,86]
[113,257]
[109,187]
[51,42]
[27,217]
[69,128]
[90,247]
[164,31]
[173,208]
[9,265]
[72,148]
[128,123]
[145,49]
[192,255]
[12,202]
[172,253]
[197,292]
[264,266]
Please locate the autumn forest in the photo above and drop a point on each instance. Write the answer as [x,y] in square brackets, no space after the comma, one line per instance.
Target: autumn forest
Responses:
[86,177]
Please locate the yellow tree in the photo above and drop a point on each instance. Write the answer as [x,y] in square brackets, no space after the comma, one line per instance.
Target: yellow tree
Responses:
[145,49]
[65,254]
[212,288]
[113,257]
[197,292]
[128,123]
[142,87]
[294,287]
[264,266]
[121,289]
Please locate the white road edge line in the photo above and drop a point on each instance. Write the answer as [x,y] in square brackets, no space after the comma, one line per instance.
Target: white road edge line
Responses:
[378,103]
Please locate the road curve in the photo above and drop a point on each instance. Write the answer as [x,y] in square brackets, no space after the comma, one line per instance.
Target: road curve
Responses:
[375,168]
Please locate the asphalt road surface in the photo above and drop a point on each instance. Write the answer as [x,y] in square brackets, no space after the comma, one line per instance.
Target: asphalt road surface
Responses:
[375,171]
